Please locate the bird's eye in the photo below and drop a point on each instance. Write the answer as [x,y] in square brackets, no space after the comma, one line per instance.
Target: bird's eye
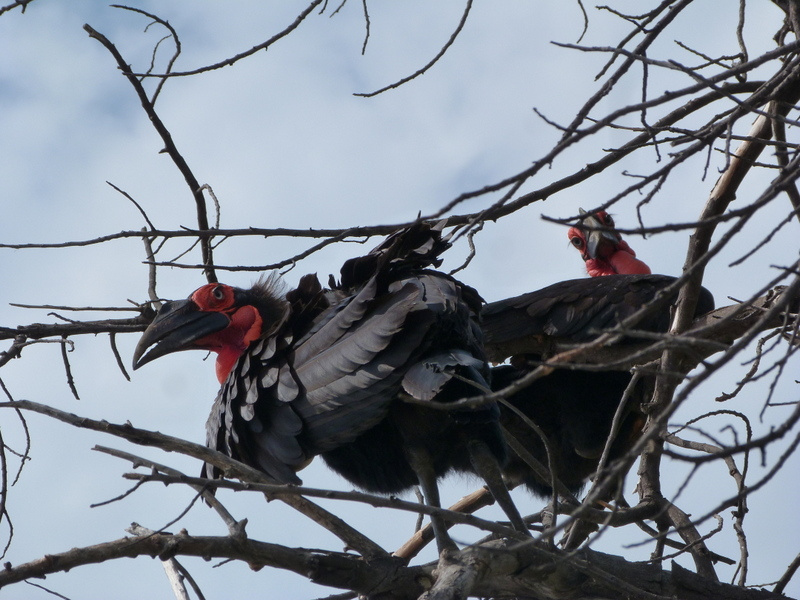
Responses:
[213,297]
[576,241]
[607,220]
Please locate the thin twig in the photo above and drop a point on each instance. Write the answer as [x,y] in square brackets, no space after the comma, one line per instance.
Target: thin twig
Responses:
[169,146]
[432,62]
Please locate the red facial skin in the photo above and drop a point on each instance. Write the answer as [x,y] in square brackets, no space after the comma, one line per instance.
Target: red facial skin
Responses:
[231,342]
[612,257]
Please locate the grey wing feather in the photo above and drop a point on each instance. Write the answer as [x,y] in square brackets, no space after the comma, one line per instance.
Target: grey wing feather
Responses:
[336,324]
[358,347]
[428,376]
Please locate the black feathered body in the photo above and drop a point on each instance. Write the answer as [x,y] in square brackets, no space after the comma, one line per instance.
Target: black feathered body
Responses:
[576,311]
[329,378]
[574,408]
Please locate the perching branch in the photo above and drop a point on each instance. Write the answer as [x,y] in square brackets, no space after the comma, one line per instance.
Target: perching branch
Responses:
[230,467]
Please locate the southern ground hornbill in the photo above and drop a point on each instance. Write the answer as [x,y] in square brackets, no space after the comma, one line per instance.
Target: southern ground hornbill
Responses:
[323,372]
[575,408]
[602,248]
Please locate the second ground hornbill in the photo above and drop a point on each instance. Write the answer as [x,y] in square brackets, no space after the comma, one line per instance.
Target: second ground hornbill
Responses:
[324,372]
[575,408]
[602,248]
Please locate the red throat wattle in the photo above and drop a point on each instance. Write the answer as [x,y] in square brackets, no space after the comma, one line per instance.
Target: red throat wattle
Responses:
[611,256]
[624,262]
[231,342]
[619,260]
[619,263]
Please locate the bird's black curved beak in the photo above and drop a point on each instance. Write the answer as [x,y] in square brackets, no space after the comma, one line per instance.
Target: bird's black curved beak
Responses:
[177,325]
[595,237]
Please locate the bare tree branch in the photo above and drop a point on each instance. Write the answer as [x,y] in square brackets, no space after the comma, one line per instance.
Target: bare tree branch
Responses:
[433,61]
[227,465]
[169,146]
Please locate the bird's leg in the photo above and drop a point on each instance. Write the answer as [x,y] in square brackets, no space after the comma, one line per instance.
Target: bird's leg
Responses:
[485,465]
[420,462]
